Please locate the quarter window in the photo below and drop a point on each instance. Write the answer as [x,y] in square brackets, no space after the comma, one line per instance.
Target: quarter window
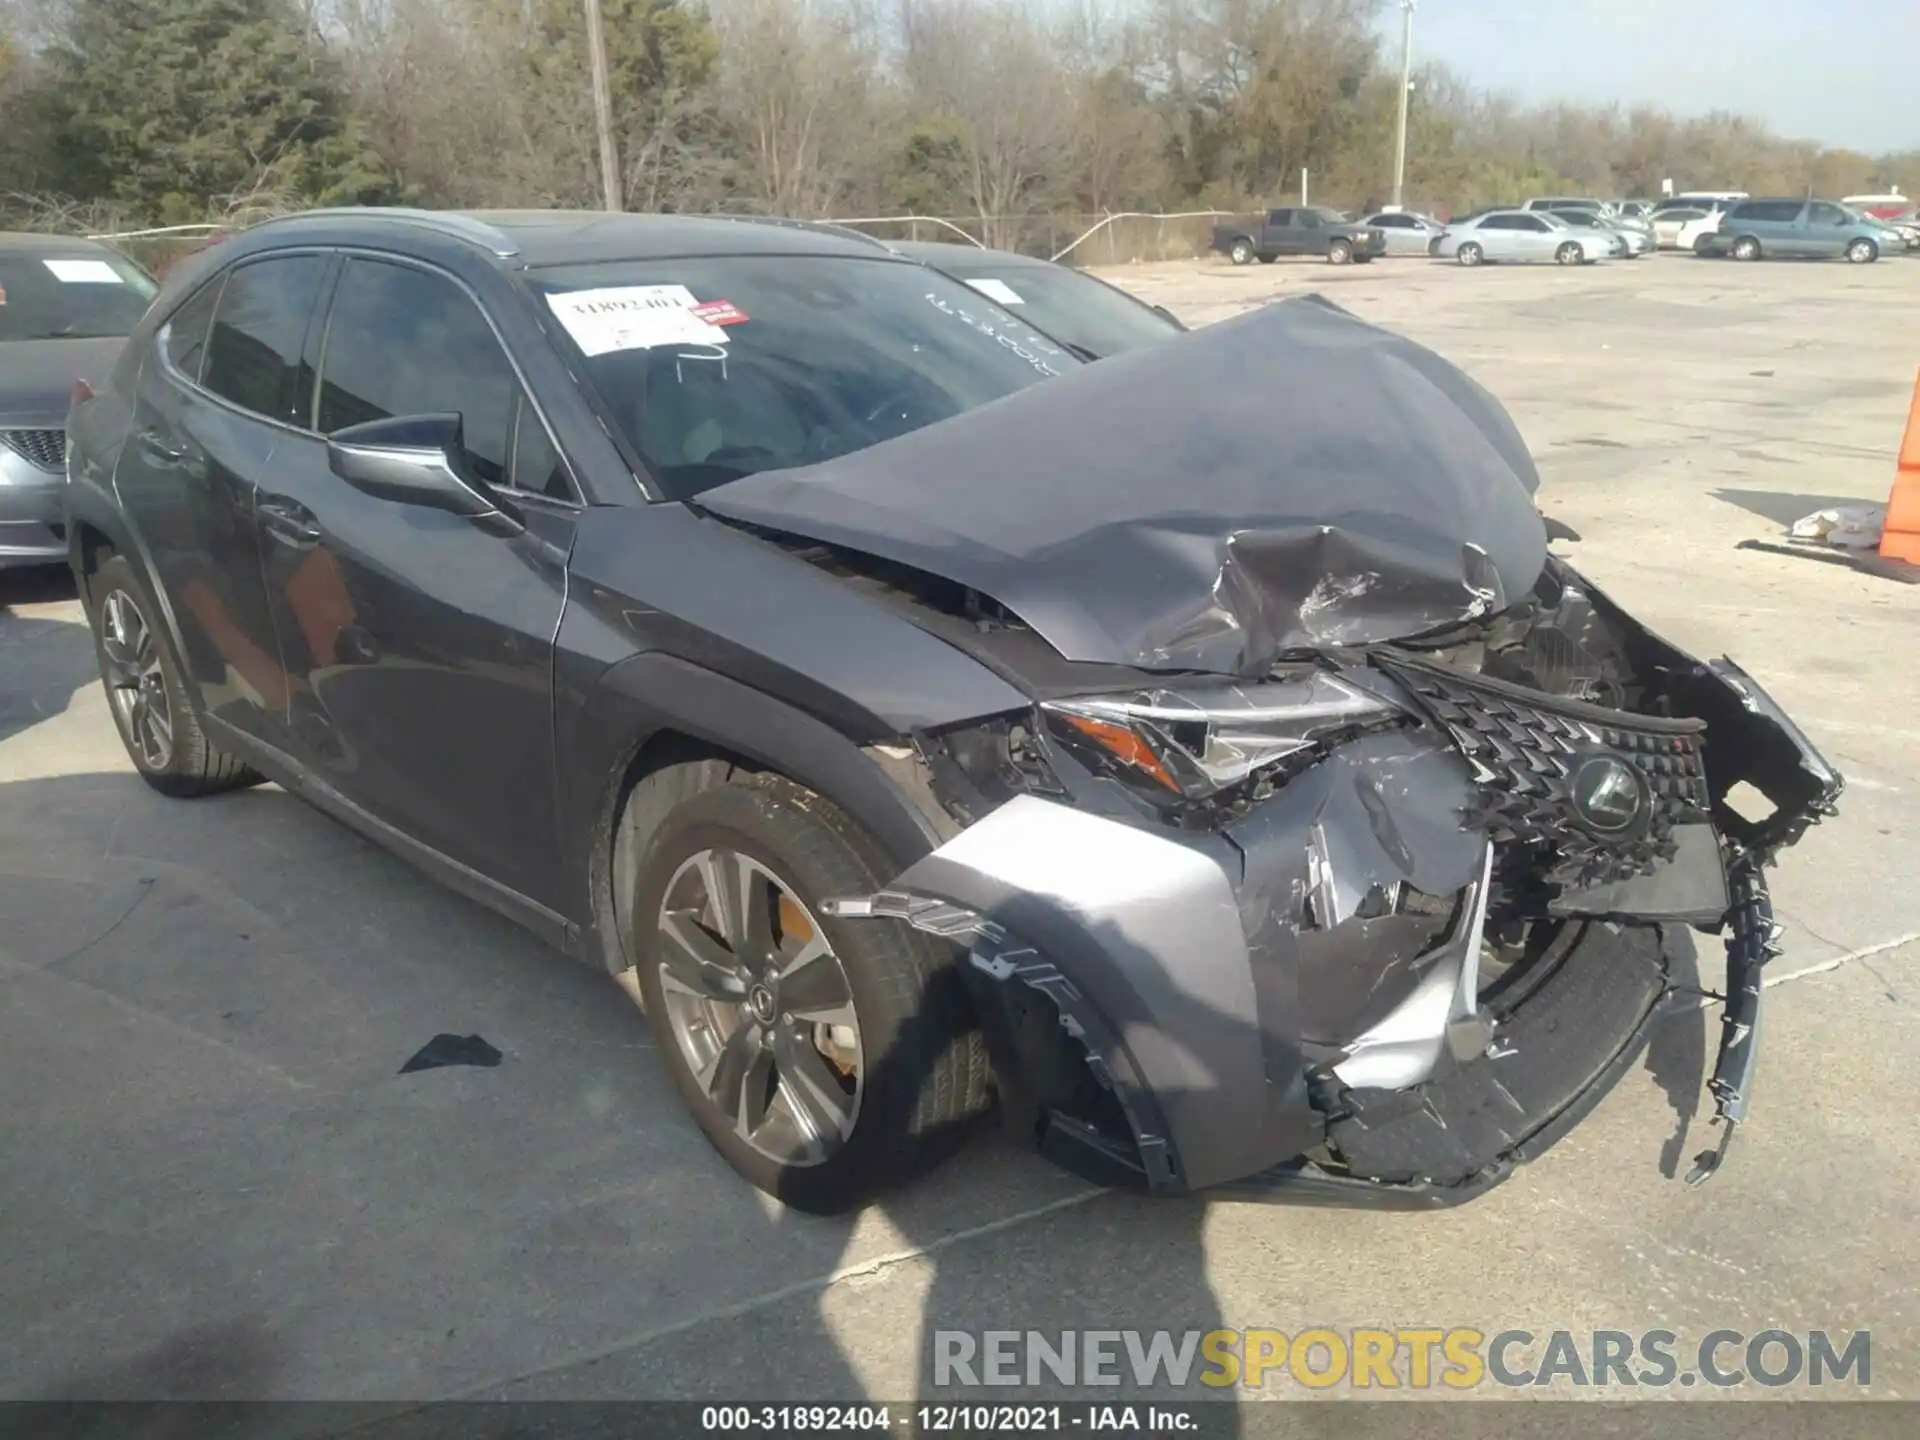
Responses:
[187,331]
[402,341]
[253,351]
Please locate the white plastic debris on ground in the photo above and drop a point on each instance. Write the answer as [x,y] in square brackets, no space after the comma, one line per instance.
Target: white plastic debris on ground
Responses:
[1854,527]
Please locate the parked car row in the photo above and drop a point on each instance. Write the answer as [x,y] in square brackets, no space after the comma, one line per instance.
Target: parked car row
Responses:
[1576,230]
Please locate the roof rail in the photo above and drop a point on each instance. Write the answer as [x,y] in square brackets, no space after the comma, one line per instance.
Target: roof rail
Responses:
[447,222]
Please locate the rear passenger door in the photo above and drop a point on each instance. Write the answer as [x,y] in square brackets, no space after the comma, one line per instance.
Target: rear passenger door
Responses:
[420,644]
[1277,234]
[216,396]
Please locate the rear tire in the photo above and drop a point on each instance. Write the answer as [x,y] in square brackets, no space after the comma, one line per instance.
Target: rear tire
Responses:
[1746,248]
[156,719]
[915,1071]
[1241,252]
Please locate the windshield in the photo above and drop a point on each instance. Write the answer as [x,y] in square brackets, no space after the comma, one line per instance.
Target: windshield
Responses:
[1554,222]
[1086,314]
[719,367]
[65,293]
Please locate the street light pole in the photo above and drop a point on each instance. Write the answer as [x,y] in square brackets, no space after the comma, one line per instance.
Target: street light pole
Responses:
[603,109]
[1406,84]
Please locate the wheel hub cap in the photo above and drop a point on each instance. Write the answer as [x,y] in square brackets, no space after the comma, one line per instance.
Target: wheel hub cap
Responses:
[760,1007]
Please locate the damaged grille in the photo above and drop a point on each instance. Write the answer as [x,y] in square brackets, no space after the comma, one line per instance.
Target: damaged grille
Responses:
[1528,753]
[44,449]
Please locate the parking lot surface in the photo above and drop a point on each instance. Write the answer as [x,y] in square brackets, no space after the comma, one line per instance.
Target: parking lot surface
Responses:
[214,1182]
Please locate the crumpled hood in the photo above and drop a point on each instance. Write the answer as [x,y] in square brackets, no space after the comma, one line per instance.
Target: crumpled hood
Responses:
[1289,479]
[36,377]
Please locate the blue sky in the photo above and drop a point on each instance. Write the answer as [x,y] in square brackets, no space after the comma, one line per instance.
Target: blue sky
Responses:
[1845,72]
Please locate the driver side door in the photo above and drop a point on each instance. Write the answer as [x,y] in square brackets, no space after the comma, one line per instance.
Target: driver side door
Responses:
[420,645]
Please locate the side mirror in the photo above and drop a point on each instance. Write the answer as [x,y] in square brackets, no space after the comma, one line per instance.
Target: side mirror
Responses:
[419,460]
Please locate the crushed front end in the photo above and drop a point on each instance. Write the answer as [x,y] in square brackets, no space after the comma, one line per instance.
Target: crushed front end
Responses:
[1377,926]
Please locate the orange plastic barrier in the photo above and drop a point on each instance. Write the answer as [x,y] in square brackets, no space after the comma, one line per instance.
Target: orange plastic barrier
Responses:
[1901,538]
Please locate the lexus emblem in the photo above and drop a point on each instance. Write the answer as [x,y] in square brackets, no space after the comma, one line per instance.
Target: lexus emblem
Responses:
[1608,794]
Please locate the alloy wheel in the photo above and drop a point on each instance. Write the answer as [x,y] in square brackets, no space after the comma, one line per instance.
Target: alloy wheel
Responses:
[760,1007]
[136,685]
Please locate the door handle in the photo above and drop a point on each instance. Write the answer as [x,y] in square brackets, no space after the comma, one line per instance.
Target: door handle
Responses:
[159,449]
[289,522]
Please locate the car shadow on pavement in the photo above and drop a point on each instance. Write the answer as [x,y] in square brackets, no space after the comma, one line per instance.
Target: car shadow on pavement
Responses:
[43,661]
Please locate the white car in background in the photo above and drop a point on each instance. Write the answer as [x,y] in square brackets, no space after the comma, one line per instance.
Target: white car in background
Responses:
[1689,235]
[1667,225]
[1520,235]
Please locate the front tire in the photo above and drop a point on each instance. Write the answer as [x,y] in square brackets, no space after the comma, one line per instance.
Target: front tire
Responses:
[1470,254]
[1340,252]
[1570,254]
[825,1060]
[151,709]
[1863,252]
[1241,252]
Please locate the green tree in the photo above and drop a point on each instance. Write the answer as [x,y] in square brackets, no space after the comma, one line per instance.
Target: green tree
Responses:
[178,106]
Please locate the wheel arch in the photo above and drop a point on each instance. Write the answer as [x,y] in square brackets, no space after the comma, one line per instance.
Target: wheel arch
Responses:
[656,711]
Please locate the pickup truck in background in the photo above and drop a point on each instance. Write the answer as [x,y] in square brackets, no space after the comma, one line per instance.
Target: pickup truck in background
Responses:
[1299,230]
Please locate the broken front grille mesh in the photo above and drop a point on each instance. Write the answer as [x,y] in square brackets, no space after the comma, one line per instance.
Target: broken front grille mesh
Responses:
[46,449]
[1525,749]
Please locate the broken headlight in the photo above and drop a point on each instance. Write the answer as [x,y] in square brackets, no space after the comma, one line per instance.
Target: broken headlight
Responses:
[1199,742]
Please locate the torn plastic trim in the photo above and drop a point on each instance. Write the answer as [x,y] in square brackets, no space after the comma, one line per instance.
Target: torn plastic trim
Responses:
[1145,926]
[1441,1014]
[1753,939]
[993,953]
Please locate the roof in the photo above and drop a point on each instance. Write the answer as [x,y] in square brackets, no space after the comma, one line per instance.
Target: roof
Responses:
[566,237]
[938,253]
[24,242]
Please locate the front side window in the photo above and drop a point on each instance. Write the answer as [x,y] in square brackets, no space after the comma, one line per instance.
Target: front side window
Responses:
[718,367]
[1826,215]
[253,350]
[68,293]
[1534,223]
[402,341]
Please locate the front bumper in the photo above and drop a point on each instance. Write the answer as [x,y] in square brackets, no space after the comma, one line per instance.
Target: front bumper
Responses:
[1197,969]
[32,529]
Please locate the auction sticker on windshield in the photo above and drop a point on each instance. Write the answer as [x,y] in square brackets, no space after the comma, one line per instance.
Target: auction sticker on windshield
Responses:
[997,291]
[633,317]
[82,272]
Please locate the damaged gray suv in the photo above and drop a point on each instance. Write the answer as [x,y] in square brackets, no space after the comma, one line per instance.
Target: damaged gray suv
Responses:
[1199,754]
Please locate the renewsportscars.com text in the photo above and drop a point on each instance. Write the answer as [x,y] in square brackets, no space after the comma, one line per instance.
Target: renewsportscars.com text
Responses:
[1416,1358]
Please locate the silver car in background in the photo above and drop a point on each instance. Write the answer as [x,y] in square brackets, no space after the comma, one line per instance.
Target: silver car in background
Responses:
[1408,232]
[1521,236]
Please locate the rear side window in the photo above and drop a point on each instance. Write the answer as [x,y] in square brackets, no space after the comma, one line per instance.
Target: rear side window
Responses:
[253,351]
[1773,210]
[402,341]
[186,334]
[1279,217]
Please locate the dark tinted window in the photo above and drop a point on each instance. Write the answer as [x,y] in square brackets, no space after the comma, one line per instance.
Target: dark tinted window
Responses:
[1280,217]
[1392,222]
[69,292]
[806,358]
[253,354]
[402,341]
[1773,210]
[186,332]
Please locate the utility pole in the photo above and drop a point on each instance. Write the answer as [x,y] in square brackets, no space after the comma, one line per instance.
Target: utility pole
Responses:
[1406,85]
[603,108]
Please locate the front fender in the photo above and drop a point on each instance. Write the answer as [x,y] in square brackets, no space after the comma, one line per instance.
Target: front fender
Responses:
[654,694]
